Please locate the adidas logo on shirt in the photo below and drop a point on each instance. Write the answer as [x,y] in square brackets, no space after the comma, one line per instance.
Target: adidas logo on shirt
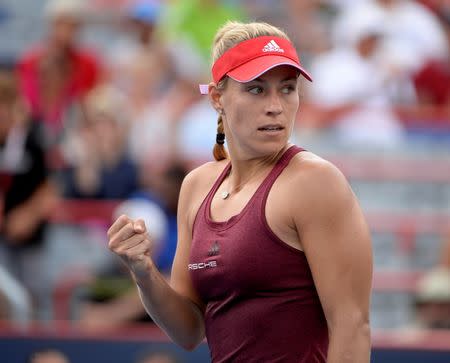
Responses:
[215,249]
[272,47]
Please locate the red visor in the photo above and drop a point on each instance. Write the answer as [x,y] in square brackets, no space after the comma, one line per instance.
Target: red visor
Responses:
[251,58]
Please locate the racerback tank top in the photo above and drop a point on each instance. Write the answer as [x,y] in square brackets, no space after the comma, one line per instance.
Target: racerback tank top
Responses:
[261,302]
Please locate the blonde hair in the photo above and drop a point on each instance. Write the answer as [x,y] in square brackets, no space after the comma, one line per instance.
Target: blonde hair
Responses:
[229,35]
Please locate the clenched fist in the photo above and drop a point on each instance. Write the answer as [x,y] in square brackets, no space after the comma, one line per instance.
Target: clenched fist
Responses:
[130,241]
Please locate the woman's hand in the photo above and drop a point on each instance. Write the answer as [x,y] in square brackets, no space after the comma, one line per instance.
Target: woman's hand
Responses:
[130,241]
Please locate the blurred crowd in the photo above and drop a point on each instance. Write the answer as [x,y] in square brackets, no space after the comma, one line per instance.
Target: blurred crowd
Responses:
[125,121]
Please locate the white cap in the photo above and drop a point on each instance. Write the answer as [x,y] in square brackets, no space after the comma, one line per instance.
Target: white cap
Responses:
[353,26]
[434,286]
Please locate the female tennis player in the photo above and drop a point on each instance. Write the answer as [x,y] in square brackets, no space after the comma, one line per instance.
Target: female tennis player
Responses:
[274,260]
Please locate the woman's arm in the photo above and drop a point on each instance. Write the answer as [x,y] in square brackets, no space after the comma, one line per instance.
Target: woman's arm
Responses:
[175,307]
[337,244]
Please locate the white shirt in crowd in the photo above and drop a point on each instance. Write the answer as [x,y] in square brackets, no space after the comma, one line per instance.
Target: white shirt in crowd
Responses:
[342,77]
[412,33]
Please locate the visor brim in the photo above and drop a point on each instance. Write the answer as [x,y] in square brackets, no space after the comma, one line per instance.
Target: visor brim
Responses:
[256,67]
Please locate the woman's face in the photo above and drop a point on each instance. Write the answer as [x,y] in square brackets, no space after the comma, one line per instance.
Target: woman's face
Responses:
[259,115]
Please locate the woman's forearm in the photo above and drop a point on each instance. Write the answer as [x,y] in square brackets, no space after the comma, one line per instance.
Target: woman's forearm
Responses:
[180,318]
[349,344]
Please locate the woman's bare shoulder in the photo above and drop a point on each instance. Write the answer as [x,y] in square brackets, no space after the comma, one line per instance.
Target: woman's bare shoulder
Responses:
[205,174]
[315,174]
[307,164]
[200,180]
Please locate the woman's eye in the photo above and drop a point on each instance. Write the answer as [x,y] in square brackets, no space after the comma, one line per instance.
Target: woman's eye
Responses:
[288,89]
[255,90]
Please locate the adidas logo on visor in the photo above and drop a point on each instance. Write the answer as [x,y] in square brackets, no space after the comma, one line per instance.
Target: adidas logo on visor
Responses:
[272,47]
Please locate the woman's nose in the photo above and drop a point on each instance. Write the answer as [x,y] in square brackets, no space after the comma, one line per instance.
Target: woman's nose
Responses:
[274,106]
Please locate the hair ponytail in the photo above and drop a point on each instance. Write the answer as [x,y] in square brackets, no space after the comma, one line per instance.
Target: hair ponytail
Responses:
[219,151]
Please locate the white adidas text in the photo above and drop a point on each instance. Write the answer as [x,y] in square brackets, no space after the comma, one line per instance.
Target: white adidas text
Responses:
[272,46]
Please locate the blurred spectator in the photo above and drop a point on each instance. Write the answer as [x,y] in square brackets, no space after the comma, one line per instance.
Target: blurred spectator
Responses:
[112,300]
[350,90]
[151,138]
[141,67]
[432,80]
[412,32]
[27,196]
[129,56]
[154,139]
[306,22]
[143,81]
[432,299]
[58,72]
[48,356]
[96,149]
[143,17]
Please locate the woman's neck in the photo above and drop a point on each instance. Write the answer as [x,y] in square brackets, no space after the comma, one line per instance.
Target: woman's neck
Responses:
[245,169]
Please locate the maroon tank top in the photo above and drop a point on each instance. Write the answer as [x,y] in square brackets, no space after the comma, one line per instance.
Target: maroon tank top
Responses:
[261,302]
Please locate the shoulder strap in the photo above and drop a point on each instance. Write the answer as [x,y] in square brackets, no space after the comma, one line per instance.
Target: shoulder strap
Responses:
[276,171]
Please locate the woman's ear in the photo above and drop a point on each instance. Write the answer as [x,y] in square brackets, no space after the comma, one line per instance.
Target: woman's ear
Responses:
[215,95]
